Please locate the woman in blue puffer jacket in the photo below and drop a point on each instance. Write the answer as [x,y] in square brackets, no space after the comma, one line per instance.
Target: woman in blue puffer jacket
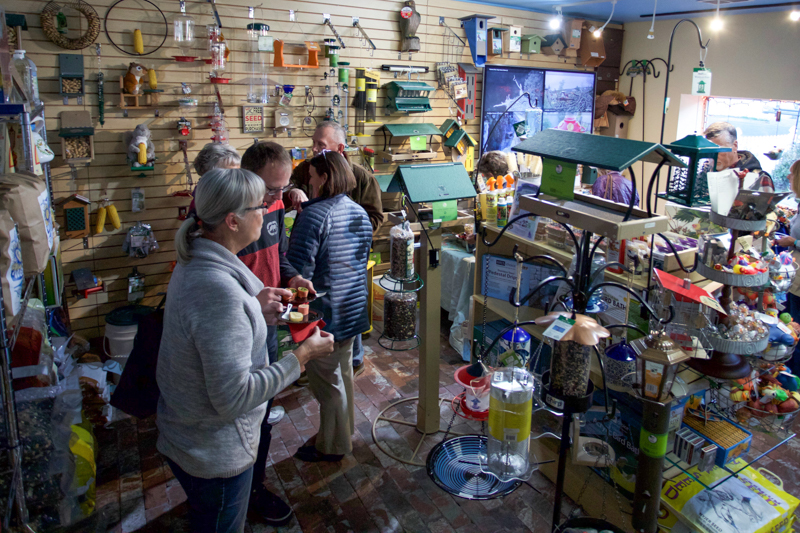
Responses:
[330,245]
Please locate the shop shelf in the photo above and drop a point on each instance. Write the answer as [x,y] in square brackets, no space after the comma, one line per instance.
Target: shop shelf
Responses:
[739,347]
[736,223]
[733,280]
[506,310]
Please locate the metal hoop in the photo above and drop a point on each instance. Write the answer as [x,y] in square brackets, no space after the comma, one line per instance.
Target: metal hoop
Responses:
[166,29]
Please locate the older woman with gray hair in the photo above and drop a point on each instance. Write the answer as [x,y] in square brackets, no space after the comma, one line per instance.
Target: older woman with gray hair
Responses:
[215,155]
[212,365]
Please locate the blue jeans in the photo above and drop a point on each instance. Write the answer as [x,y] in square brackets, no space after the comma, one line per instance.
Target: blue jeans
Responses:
[217,505]
[358,351]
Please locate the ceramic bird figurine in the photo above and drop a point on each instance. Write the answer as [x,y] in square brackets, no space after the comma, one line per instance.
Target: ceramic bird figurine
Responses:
[409,22]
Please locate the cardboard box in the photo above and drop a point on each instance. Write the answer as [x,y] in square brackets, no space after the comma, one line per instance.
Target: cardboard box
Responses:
[731,439]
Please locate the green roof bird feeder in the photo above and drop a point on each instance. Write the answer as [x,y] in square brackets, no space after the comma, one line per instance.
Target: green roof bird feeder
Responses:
[689,186]
[449,127]
[417,135]
[460,140]
[408,97]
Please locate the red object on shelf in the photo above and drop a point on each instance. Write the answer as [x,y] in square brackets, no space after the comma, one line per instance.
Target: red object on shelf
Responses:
[687,292]
[219,80]
[466,412]
[185,59]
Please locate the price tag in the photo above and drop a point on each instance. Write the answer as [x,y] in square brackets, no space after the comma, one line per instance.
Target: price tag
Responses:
[559,328]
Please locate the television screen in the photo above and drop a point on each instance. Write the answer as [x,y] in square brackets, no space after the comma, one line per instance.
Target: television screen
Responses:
[561,99]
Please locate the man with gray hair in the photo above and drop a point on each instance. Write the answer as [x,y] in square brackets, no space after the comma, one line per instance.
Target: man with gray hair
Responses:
[331,136]
[741,161]
[215,155]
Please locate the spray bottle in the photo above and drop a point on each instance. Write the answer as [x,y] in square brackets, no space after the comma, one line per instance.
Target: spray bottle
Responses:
[502,204]
[491,203]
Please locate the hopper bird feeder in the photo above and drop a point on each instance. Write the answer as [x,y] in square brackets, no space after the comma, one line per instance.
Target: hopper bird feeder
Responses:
[689,186]
[408,97]
[460,141]
[466,106]
[416,134]
[77,137]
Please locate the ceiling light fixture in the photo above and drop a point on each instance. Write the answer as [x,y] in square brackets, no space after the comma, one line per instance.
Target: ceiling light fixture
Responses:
[652,34]
[555,22]
[794,16]
[716,24]
[598,33]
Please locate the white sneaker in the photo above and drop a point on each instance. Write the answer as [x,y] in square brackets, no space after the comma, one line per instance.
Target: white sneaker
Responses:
[276,414]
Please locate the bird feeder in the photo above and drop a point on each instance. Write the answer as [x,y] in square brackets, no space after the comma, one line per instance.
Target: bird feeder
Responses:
[476,28]
[183,35]
[257,64]
[689,186]
[531,44]
[658,358]
[219,54]
[460,141]
[76,216]
[448,128]
[77,137]
[307,47]
[416,133]
[496,48]
[408,97]
[71,76]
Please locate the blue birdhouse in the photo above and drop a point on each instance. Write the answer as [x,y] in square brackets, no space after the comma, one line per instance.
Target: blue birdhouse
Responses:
[476,28]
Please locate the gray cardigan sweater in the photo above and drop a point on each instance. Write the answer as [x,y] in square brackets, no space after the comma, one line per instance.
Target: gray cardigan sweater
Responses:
[212,365]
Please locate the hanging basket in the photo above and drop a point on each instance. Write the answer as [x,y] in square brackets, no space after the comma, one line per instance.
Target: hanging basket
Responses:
[49,26]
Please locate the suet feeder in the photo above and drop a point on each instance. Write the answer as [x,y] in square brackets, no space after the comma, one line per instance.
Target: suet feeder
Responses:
[71,76]
[77,137]
[658,358]
[476,28]
[76,216]
[470,74]
[496,34]
[689,186]
[553,44]
[461,141]
[416,133]
[408,97]
[448,128]
[531,44]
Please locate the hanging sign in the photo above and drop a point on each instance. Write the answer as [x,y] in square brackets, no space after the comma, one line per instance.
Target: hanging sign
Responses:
[701,82]
[252,119]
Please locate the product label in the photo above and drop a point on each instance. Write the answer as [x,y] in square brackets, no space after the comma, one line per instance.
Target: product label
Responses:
[701,82]
[559,328]
[15,277]
[510,422]
[653,445]
[47,215]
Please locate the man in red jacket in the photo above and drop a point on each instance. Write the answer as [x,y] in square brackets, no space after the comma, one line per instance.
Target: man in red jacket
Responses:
[266,258]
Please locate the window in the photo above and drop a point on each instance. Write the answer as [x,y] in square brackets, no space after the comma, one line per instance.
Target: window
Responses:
[768,129]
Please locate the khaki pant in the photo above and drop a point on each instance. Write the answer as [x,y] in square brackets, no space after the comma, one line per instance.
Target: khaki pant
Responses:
[331,381]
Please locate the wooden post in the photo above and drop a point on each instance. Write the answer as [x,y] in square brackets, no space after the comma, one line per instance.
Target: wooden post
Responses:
[430,324]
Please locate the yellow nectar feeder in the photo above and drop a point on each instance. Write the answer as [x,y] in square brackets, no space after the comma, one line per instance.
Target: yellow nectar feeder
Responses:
[510,410]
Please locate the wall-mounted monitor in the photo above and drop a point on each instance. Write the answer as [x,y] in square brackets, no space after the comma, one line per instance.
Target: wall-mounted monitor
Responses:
[560,99]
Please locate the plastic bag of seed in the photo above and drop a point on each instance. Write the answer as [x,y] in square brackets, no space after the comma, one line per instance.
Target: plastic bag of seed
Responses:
[401,251]
[400,315]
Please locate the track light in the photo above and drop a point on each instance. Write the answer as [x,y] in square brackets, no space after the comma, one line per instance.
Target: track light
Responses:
[599,32]
[555,22]
[652,34]
[794,16]
[716,24]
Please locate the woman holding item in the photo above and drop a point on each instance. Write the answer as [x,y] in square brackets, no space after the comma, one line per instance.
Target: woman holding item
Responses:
[212,364]
[330,245]
[792,241]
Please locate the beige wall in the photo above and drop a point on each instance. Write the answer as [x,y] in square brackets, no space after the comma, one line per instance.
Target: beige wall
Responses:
[753,56]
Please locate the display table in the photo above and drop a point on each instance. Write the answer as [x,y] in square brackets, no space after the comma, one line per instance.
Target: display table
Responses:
[457,288]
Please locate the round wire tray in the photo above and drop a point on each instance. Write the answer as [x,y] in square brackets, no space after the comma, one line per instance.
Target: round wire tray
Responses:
[734,280]
[739,347]
[750,417]
[737,223]
[401,285]
[398,345]
[455,466]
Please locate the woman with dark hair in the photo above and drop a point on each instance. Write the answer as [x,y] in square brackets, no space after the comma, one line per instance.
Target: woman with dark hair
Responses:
[330,245]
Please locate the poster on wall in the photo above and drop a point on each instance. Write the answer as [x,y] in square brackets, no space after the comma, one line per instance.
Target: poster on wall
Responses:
[555,99]
[252,119]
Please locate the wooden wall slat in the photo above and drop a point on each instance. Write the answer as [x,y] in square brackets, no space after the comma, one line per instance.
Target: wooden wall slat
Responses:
[109,175]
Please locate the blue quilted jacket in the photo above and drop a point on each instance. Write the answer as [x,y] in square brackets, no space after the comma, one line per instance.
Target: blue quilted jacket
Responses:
[330,246]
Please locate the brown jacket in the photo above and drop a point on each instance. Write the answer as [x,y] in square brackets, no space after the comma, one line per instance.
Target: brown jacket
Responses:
[367,192]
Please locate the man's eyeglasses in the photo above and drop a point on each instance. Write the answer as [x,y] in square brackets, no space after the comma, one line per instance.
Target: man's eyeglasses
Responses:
[262,206]
[276,192]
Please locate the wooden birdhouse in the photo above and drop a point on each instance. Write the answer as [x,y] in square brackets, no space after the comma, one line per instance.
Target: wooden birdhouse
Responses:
[496,35]
[460,141]
[592,51]
[76,216]
[572,33]
[531,44]
[449,127]
[77,137]
[513,39]
[553,44]
[466,106]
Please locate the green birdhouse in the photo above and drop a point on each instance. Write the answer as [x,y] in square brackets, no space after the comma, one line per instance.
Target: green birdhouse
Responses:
[408,97]
[460,140]
[449,127]
[689,186]
[531,44]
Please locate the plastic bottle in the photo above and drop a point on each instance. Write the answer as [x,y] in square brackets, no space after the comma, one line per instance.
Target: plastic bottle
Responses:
[502,206]
[491,203]
[510,191]
[27,70]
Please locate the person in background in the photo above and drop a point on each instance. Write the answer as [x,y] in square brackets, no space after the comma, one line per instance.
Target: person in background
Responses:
[330,245]
[367,193]
[266,258]
[743,162]
[493,164]
[215,155]
[614,186]
[213,370]
[792,241]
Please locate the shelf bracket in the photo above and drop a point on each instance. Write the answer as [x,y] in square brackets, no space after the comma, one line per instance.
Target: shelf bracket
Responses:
[452,32]
[326,19]
[364,35]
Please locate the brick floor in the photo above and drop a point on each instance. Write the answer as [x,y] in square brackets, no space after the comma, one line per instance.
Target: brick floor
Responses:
[368,491]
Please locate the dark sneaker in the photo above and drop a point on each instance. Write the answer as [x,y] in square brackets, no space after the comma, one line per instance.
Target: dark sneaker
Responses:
[358,369]
[269,507]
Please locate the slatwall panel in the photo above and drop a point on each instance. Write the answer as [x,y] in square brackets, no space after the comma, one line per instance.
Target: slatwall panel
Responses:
[109,174]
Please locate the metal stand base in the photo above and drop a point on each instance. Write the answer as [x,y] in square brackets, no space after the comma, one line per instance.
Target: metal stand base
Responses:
[411,458]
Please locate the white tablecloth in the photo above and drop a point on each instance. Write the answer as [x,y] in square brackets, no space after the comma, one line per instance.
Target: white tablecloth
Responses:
[458,278]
